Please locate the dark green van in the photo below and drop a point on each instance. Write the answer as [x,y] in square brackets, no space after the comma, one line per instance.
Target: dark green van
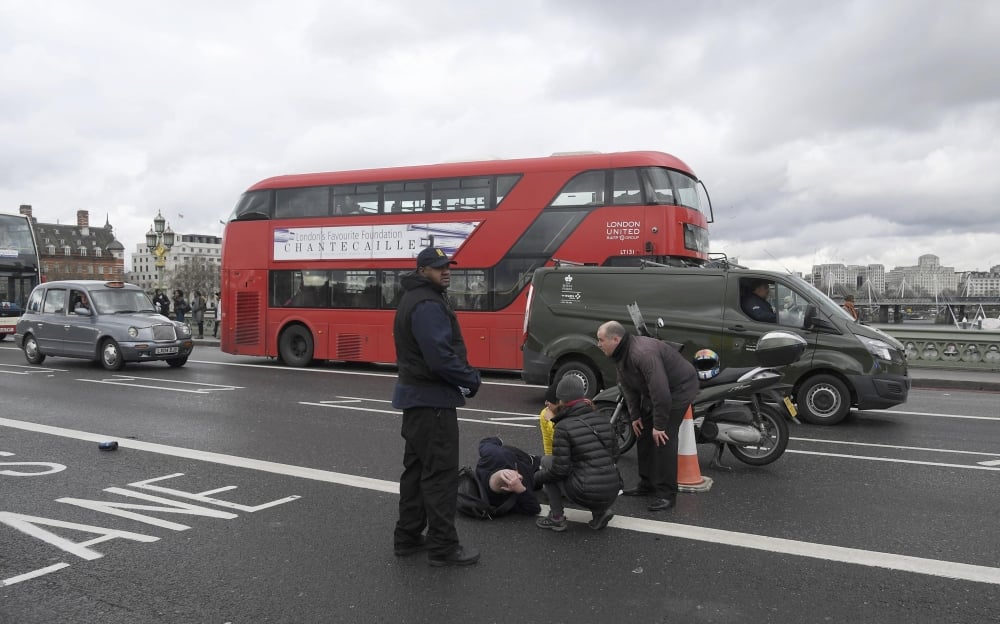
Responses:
[847,363]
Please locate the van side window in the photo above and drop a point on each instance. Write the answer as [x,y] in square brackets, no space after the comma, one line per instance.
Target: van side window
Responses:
[791,306]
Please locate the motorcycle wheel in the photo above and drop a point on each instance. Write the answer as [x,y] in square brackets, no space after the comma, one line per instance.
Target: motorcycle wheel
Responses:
[624,435]
[773,445]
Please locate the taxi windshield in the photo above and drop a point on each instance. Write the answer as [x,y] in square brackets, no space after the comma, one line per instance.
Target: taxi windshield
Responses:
[117,301]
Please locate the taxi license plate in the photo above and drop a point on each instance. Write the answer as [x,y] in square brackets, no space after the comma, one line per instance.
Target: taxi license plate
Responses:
[791,407]
[166,350]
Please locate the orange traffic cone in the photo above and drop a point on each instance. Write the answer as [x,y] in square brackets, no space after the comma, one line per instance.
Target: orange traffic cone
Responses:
[689,477]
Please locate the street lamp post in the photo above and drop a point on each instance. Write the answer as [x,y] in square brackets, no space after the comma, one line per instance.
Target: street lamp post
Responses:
[159,240]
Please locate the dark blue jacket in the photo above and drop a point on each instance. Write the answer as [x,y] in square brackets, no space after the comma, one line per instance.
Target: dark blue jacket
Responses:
[493,456]
[757,308]
[430,352]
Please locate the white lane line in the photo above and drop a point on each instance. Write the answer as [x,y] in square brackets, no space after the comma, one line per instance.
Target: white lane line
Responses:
[892,460]
[892,446]
[33,574]
[995,462]
[889,561]
[934,414]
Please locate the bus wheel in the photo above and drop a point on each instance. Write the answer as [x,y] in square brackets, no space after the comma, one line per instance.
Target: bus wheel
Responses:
[296,346]
[585,372]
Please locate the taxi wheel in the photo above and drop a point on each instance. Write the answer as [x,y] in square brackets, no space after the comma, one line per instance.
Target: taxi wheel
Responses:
[31,351]
[111,355]
[177,362]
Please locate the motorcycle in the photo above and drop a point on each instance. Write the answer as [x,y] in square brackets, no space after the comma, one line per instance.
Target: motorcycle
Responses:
[744,409]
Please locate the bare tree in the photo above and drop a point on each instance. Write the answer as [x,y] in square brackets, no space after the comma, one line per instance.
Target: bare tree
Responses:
[196,274]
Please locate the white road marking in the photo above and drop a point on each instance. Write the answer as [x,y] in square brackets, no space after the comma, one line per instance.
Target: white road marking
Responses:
[126,380]
[352,402]
[891,446]
[889,561]
[995,462]
[934,414]
[33,574]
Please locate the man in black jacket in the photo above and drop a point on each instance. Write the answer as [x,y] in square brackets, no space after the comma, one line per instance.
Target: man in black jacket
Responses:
[508,471]
[582,465]
[659,386]
[434,379]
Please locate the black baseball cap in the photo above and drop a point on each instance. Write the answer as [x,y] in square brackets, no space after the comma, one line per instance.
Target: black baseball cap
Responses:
[433,257]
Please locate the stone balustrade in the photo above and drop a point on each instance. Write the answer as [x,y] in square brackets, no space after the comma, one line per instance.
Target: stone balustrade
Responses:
[940,346]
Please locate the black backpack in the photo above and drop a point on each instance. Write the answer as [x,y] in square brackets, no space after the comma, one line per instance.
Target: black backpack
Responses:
[472,498]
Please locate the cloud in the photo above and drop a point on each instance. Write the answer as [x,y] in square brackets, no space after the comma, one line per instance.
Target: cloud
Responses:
[850,131]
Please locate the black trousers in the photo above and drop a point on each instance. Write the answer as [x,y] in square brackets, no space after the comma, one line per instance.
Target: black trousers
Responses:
[658,464]
[428,487]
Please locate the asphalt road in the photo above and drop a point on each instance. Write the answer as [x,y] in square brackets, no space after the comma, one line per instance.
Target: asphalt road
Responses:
[242,492]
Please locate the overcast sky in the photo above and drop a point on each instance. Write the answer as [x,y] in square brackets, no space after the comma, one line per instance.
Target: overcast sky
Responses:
[853,132]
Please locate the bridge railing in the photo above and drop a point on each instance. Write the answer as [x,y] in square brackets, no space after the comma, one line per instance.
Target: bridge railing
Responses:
[935,346]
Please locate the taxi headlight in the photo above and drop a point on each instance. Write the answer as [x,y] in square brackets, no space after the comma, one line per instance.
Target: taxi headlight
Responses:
[183,330]
[133,332]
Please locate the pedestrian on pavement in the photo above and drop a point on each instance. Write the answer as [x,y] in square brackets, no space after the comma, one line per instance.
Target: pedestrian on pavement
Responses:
[850,307]
[218,315]
[180,305]
[508,471]
[198,312]
[582,465]
[162,303]
[659,386]
[434,378]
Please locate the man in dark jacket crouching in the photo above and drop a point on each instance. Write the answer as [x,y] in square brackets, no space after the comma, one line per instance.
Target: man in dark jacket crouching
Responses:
[582,465]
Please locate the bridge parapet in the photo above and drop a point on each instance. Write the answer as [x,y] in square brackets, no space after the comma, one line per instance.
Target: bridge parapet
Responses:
[934,346]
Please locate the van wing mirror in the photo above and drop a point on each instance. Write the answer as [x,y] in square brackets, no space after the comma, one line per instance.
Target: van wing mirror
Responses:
[812,320]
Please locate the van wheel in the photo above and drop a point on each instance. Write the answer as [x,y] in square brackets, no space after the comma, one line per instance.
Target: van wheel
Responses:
[823,400]
[296,346]
[581,370]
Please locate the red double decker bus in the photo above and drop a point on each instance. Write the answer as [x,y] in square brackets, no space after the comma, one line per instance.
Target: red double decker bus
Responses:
[311,263]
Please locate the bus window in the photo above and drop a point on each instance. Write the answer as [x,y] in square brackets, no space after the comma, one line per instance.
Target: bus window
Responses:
[626,188]
[253,205]
[468,289]
[408,196]
[661,185]
[391,290]
[510,278]
[687,190]
[460,194]
[583,190]
[302,202]
[505,184]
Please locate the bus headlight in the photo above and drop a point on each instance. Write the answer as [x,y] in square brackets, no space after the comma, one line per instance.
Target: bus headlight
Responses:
[877,348]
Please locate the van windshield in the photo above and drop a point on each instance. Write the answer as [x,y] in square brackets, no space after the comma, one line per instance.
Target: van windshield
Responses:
[816,297]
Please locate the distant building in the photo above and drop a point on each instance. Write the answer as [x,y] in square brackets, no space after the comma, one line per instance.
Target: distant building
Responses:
[78,251]
[188,249]
[927,276]
[840,279]
[981,283]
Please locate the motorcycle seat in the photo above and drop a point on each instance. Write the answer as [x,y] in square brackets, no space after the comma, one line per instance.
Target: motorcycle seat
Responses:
[725,376]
